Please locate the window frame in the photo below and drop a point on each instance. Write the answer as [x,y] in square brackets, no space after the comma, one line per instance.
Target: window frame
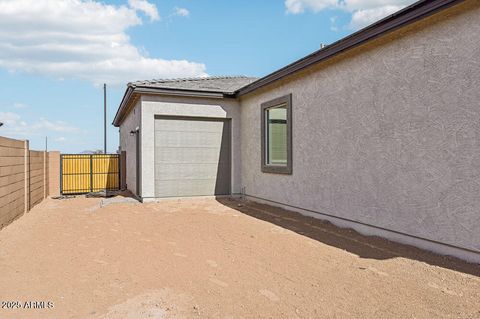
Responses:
[277,169]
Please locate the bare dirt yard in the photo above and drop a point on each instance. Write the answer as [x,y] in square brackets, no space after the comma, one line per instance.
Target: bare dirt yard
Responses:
[209,258]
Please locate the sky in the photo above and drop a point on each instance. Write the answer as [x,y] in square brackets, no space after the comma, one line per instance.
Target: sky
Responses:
[55,55]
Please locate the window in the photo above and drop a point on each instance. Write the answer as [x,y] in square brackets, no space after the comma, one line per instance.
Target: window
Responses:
[277,135]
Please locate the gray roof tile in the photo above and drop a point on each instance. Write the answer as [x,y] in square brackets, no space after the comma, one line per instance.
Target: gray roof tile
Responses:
[222,84]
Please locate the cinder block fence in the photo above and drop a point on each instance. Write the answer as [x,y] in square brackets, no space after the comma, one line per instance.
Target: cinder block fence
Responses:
[26,178]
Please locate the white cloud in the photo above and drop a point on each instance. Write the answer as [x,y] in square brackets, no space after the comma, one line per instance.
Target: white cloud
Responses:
[81,39]
[361,18]
[18,105]
[14,126]
[300,6]
[57,126]
[182,12]
[9,119]
[146,7]
[364,12]
[333,23]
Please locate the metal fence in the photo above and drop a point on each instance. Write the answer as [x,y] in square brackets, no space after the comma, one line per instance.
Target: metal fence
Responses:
[85,173]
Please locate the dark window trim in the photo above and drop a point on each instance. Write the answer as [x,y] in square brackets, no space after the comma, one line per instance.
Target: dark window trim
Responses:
[287,100]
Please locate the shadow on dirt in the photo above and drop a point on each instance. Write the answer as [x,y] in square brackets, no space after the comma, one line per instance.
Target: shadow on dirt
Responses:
[346,239]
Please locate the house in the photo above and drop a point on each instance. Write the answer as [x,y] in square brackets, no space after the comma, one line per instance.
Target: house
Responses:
[379,132]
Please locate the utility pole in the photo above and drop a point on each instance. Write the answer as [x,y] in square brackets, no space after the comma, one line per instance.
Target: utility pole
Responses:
[104,118]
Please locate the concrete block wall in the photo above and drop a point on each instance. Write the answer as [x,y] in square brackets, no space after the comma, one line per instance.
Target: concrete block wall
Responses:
[13,179]
[24,178]
[53,173]
[38,181]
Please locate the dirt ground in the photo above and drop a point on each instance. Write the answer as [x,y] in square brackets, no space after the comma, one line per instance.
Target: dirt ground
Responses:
[215,259]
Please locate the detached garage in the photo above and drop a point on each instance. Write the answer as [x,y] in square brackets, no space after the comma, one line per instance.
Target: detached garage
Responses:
[182,137]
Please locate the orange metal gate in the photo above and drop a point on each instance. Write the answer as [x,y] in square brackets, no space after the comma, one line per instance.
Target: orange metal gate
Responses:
[85,173]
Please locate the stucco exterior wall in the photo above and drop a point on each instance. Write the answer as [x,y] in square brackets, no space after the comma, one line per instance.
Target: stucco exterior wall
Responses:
[387,134]
[185,106]
[127,143]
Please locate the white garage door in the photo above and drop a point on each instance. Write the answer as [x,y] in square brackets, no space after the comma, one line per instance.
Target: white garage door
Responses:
[192,157]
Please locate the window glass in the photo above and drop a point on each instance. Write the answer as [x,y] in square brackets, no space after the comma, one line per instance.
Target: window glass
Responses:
[276,134]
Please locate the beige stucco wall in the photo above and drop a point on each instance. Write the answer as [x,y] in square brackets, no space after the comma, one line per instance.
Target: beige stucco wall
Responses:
[185,106]
[387,134]
[127,144]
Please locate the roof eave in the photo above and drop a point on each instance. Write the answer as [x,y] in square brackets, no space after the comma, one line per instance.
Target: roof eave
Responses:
[121,109]
[121,112]
[183,92]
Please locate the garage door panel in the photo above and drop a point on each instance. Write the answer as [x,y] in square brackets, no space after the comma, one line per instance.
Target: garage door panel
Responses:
[188,139]
[187,155]
[192,125]
[186,171]
[192,157]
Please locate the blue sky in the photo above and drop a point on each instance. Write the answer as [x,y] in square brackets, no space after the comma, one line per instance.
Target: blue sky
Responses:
[54,55]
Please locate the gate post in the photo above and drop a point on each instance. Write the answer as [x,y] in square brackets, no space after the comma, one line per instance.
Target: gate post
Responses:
[61,174]
[91,173]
